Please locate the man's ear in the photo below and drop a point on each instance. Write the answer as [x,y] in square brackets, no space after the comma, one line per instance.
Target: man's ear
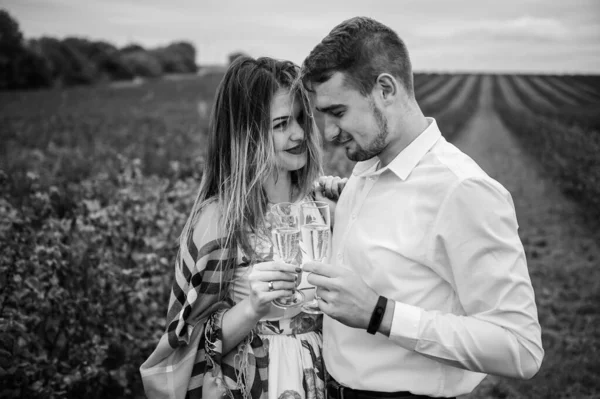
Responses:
[387,86]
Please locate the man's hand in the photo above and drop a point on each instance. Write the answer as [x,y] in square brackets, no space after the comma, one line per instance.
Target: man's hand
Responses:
[344,296]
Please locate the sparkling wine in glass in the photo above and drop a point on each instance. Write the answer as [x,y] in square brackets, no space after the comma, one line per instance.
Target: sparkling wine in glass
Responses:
[316,239]
[286,238]
[315,225]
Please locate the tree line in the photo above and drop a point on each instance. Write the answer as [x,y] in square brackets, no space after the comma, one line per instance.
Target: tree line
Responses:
[50,62]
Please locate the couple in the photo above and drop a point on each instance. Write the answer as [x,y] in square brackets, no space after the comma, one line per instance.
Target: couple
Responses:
[426,289]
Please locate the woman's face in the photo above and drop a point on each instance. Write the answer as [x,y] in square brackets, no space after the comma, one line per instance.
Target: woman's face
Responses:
[287,117]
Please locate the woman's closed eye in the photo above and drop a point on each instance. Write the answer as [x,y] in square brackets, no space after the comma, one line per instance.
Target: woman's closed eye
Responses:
[281,124]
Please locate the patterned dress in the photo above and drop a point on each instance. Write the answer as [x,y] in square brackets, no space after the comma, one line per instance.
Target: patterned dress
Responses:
[281,357]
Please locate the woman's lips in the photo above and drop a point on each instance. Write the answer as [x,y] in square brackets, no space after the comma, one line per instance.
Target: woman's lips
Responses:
[299,149]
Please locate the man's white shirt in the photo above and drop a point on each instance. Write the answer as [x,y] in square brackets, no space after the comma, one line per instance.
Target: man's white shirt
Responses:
[433,232]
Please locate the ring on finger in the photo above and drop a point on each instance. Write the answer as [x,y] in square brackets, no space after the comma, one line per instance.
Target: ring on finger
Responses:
[270,286]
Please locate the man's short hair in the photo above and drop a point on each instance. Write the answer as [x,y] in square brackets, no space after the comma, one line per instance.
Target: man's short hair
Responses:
[362,49]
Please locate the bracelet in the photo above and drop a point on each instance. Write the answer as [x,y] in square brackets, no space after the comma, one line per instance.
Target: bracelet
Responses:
[377,315]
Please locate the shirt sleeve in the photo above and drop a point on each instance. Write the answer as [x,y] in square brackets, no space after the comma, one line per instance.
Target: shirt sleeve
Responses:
[476,238]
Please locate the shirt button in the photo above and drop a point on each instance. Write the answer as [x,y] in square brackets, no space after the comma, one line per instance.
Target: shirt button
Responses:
[339,256]
[354,216]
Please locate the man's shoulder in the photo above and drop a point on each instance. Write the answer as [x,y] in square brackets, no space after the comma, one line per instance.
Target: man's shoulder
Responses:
[454,164]
[457,170]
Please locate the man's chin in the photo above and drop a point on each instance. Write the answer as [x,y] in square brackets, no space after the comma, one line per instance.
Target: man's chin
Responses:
[357,156]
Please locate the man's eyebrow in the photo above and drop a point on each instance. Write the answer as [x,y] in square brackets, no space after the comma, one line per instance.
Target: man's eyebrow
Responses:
[329,108]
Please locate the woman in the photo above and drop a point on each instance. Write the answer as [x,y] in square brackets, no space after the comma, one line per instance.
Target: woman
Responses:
[224,337]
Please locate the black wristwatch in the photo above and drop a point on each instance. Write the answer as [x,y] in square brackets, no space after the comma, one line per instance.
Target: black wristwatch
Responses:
[377,315]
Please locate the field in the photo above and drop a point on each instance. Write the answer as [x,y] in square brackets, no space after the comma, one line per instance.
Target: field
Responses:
[95,184]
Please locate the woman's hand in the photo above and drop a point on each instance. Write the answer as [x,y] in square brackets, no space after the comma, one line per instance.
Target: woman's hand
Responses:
[269,281]
[329,187]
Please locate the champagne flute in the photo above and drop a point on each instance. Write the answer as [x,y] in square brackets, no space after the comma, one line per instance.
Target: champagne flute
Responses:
[315,225]
[286,237]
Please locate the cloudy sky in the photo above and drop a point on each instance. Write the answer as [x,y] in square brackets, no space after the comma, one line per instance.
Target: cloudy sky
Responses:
[442,35]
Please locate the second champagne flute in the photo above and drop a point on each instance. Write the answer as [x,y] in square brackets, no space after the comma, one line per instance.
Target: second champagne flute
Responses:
[315,225]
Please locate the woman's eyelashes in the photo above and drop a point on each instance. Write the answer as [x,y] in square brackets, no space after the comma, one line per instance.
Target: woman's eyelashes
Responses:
[281,124]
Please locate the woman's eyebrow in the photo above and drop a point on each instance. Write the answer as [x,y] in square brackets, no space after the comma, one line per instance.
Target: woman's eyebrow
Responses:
[281,117]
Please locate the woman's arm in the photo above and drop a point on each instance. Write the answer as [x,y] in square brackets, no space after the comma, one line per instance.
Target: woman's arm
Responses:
[237,324]
[241,318]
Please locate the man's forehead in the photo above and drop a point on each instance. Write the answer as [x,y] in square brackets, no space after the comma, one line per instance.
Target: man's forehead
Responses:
[333,90]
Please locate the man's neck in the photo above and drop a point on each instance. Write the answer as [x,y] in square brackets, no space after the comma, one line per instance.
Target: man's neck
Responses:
[409,129]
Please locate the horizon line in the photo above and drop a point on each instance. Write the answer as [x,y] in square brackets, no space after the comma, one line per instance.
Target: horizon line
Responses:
[464,71]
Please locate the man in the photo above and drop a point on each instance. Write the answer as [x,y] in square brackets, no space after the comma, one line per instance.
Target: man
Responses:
[427,288]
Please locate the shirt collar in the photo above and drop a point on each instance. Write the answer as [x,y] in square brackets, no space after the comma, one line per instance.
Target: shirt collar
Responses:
[407,159]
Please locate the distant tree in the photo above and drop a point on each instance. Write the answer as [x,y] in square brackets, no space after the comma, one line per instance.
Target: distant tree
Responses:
[188,52]
[104,56]
[142,63]
[131,48]
[51,50]
[24,70]
[235,55]
[168,60]
[10,45]
[177,57]
[11,38]
[68,65]
[82,70]
[19,66]
[49,61]
[33,71]
[109,60]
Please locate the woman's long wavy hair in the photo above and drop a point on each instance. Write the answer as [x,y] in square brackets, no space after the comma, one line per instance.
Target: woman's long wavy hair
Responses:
[241,153]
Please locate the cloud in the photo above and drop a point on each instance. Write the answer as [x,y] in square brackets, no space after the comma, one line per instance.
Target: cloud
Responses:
[523,28]
[151,19]
[145,15]
[462,34]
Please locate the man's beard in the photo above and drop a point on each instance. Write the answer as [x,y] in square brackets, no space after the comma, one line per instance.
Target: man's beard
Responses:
[376,146]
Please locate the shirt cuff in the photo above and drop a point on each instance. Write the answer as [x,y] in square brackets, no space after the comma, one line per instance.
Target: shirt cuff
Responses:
[405,325]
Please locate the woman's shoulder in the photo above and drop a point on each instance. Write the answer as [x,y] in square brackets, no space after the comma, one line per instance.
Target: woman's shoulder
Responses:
[209,209]
[208,225]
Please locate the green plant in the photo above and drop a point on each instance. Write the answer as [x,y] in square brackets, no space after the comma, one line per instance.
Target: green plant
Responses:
[85,281]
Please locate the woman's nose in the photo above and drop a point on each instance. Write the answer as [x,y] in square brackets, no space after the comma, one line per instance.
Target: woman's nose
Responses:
[297,132]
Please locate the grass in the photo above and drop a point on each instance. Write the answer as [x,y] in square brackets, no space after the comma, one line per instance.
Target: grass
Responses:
[70,135]
[567,151]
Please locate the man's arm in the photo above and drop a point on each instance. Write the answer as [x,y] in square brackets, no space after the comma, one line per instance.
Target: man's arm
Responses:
[476,238]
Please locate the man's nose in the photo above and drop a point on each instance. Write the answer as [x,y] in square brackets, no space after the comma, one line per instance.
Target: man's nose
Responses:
[331,129]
